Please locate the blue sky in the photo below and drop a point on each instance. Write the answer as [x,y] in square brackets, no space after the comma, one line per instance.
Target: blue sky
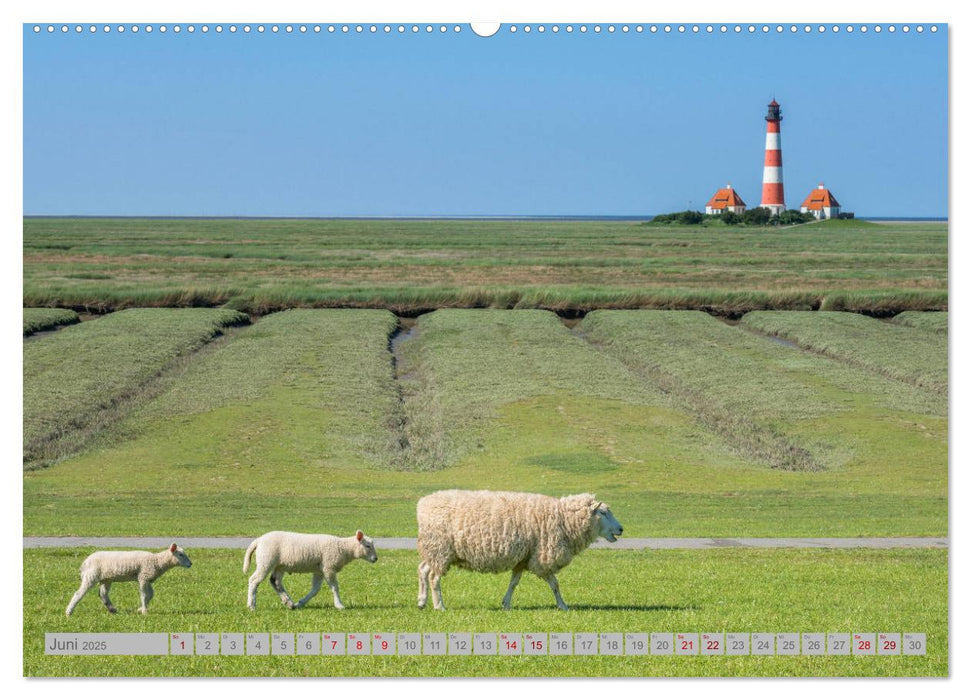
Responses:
[455,124]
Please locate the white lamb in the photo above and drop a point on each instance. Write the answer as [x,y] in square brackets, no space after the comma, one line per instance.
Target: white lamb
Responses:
[320,555]
[495,531]
[109,567]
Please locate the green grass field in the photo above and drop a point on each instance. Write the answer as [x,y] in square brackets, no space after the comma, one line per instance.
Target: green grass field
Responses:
[666,591]
[36,320]
[312,439]
[260,265]
[200,421]
[899,352]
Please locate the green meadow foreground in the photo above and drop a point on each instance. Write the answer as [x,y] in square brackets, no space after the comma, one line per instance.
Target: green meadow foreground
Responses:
[262,265]
[666,591]
[687,426]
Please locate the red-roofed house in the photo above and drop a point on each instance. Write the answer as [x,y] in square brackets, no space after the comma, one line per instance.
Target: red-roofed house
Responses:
[821,203]
[725,199]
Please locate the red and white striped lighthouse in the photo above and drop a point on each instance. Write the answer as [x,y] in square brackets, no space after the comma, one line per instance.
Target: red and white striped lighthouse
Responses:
[773,197]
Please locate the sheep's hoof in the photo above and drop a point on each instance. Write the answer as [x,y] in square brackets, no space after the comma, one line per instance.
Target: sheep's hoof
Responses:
[143,611]
[252,607]
[290,605]
[113,610]
[421,605]
[339,607]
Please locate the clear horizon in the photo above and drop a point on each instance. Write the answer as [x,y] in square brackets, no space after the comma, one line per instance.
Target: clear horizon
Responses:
[455,125]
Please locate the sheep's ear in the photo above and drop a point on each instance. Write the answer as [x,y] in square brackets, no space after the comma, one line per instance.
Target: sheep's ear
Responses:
[597,507]
[359,535]
[173,548]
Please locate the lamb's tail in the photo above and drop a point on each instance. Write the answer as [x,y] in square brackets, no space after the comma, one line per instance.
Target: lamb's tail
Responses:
[249,552]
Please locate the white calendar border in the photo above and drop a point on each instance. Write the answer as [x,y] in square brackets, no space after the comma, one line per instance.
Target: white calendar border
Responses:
[11,587]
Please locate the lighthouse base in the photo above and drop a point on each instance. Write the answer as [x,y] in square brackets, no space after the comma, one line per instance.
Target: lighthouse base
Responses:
[774,208]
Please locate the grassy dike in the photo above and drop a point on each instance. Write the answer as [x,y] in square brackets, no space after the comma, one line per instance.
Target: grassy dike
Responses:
[297,422]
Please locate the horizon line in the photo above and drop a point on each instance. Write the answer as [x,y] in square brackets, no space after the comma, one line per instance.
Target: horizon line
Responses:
[416,217]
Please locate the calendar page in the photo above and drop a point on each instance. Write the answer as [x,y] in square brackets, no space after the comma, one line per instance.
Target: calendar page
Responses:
[438,349]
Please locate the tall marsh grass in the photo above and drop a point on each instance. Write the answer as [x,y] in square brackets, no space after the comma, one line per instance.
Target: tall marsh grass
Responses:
[259,266]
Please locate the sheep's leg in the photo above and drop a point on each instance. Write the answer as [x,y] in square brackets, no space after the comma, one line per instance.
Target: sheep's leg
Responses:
[314,590]
[332,582]
[86,585]
[555,586]
[423,571]
[254,581]
[103,592]
[513,582]
[276,580]
[435,582]
[147,593]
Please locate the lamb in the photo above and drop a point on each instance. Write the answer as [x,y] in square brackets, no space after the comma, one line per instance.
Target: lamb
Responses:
[106,568]
[321,555]
[496,531]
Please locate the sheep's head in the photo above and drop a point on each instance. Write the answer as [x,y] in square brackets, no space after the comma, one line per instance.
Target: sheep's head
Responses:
[366,545]
[180,556]
[610,528]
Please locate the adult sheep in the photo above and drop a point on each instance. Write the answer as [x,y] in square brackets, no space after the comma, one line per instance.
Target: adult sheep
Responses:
[496,531]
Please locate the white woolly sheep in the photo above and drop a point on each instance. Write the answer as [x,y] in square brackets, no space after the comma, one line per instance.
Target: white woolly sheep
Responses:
[106,568]
[496,531]
[321,555]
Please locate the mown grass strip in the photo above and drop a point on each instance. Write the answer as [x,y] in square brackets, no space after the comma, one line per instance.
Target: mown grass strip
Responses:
[465,364]
[753,391]
[75,379]
[304,388]
[699,362]
[926,320]
[674,590]
[904,354]
[36,320]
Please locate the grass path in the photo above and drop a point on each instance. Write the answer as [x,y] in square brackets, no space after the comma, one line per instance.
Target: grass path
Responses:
[396,543]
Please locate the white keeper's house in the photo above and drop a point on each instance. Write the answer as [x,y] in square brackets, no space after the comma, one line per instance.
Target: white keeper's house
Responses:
[725,199]
[821,203]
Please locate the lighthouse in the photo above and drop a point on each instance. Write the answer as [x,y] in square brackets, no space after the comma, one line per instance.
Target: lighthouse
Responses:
[773,198]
